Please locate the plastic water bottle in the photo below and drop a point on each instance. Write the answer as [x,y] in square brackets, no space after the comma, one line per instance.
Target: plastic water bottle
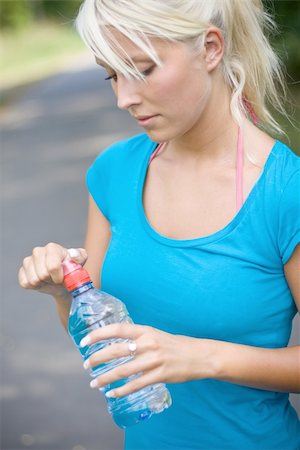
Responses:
[92,309]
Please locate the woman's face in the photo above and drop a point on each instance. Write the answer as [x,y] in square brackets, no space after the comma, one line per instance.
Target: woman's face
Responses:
[172,100]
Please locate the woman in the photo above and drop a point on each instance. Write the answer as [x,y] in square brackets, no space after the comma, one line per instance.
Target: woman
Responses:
[193,224]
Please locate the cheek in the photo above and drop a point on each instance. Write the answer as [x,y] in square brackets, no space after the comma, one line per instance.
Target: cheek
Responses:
[114,88]
[181,90]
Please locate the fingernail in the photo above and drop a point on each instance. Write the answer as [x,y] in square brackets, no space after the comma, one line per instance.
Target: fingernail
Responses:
[110,394]
[93,384]
[86,364]
[85,341]
[73,253]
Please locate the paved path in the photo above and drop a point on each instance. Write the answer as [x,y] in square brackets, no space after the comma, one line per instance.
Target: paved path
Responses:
[48,139]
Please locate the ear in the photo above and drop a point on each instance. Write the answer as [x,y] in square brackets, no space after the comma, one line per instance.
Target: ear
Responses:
[214,47]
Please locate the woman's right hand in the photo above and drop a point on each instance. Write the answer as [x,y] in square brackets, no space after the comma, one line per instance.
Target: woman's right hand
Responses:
[42,271]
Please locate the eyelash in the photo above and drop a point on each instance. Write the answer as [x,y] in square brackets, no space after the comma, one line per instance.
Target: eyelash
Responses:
[111,77]
[146,73]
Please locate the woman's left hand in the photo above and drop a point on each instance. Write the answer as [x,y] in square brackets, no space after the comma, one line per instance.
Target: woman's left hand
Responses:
[160,357]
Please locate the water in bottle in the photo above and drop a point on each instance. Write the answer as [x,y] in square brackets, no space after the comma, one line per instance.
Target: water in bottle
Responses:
[92,309]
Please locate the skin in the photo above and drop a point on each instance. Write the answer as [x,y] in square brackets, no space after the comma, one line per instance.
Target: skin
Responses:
[194,173]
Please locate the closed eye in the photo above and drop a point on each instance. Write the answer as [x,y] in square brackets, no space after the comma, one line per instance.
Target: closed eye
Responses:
[145,73]
[111,77]
[148,71]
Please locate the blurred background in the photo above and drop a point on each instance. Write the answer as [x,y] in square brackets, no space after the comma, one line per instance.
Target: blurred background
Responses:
[56,114]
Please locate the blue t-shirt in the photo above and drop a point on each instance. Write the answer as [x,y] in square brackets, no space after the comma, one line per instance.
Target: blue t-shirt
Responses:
[228,286]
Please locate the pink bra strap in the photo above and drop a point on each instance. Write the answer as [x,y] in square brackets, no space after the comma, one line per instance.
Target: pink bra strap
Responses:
[249,108]
[239,170]
[156,152]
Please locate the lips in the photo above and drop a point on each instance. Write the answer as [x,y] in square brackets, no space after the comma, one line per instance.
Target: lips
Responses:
[143,117]
[146,121]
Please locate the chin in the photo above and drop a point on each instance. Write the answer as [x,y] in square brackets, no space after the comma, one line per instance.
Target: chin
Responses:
[162,135]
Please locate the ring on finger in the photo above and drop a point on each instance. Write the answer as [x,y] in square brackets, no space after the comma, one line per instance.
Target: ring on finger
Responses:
[132,347]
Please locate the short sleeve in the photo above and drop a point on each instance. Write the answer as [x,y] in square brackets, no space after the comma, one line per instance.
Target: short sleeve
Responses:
[97,180]
[289,218]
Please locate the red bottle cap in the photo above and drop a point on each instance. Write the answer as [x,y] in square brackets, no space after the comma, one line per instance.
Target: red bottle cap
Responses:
[74,275]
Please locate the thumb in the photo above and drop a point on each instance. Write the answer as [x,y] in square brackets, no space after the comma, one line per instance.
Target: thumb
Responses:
[78,255]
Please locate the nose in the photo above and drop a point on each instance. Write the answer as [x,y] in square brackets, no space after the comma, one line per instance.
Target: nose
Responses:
[127,93]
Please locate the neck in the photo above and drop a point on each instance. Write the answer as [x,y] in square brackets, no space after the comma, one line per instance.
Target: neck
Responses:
[214,137]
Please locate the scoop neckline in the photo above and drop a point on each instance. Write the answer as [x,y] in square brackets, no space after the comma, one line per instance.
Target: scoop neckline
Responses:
[203,240]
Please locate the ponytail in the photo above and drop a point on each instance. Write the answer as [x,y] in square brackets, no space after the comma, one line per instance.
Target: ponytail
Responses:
[251,67]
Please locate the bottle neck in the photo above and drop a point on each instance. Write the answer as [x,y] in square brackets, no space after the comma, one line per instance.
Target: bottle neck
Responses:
[80,289]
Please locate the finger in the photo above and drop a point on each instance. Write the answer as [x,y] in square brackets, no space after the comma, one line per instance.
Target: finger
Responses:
[39,263]
[124,371]
[55,254]
[114,351]
[29,275]
[146,379]
[22,278]
[121,330]
[78,255]
[109,353]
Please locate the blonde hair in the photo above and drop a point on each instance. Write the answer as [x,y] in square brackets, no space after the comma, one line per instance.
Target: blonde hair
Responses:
[250,66]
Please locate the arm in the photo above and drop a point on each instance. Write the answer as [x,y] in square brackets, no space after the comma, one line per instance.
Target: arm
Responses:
[163,357]
[270,369]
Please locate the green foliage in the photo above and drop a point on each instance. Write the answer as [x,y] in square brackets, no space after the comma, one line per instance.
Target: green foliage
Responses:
[19,13]
[14,14]
[287,42]
[61,10]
